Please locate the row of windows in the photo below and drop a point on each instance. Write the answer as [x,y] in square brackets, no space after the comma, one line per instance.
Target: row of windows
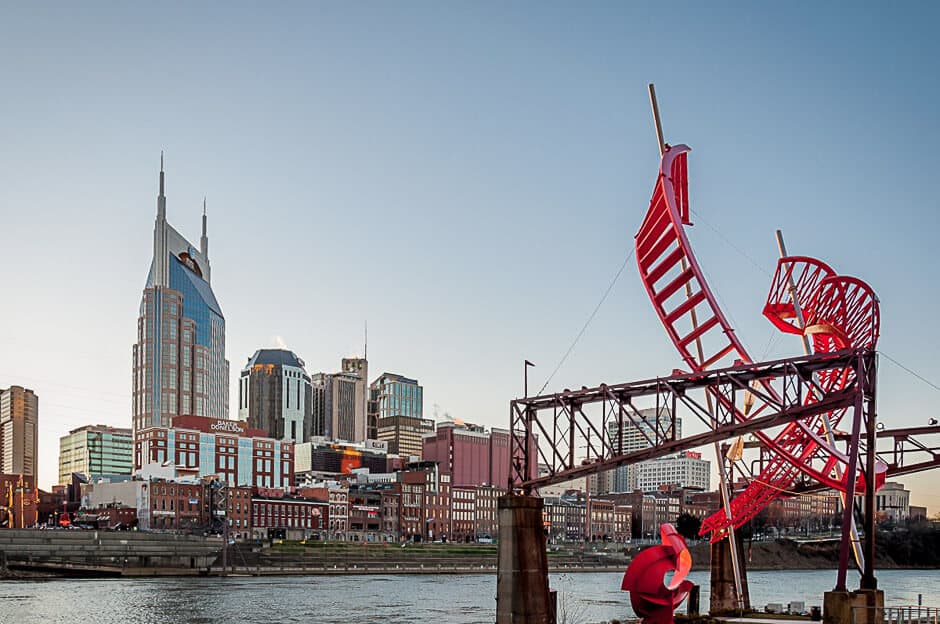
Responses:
[308,523]
[184,505]
[281,509]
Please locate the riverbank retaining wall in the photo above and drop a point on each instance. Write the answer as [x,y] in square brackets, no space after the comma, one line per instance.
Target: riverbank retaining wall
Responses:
[107,549]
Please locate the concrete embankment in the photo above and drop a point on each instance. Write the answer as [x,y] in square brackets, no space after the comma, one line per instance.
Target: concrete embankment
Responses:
[104,553]
[118,553]
[335,558]
[108,553]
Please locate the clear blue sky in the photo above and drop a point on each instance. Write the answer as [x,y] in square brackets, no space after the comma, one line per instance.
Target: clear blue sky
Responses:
[467,177]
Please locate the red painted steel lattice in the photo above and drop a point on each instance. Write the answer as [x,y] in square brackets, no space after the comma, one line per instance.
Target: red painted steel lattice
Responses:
[840,312]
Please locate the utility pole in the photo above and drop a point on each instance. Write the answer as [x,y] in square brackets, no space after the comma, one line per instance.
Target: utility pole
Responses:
[225,546]
[587,508]
[22,489]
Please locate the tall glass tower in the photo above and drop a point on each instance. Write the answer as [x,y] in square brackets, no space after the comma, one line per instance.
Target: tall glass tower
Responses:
[179,359]
[397,411]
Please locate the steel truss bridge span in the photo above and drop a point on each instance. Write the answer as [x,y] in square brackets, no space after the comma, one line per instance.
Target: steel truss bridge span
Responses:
[572,434]
[905,450]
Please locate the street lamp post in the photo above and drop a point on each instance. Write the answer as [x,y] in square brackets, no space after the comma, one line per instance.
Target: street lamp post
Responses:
[525,369]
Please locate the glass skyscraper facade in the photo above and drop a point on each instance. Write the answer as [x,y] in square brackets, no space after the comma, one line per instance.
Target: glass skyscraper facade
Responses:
[95,451]
[397,406]
[395,395]
[179,358]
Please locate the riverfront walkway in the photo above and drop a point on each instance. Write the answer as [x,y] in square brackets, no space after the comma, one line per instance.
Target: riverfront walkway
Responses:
[756,620]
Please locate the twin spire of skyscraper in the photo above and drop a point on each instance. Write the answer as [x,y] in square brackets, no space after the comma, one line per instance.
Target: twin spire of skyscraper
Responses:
[161,210]
[161,197]
[204,240]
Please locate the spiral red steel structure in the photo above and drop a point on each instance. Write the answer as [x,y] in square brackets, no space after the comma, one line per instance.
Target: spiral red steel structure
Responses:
[840,312]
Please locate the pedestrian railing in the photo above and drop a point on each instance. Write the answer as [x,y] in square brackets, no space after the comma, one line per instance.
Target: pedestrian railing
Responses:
[906,614]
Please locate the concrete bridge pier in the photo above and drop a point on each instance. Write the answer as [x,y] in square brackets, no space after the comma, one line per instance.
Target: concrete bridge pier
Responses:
[724,595]
[522,595]
[864,606]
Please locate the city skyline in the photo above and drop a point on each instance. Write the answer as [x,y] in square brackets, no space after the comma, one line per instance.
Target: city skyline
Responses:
[424,201]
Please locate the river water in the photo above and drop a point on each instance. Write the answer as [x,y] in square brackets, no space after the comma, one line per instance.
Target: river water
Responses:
[586,597]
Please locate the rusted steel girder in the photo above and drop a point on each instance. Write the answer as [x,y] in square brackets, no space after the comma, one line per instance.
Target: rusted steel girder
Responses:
[553,429]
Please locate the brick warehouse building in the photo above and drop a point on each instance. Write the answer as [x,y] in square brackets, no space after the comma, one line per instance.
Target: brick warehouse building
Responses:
[177,506]
[274,515]
[196,506]
[211,446]
[238,511]
[338,497]
[470,455]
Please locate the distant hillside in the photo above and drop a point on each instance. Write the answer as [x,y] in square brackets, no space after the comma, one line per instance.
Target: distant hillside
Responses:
[917,547]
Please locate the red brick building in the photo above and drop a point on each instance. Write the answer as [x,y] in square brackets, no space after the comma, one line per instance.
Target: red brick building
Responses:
[365,514]
[53,503]
[111,517]
[176,506]
[286,517]
[391,513]
[338,497]
[437,501]
[469,454]
[411,518]
[238,511]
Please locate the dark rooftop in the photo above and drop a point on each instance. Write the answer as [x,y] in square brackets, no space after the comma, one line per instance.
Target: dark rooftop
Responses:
[277,357]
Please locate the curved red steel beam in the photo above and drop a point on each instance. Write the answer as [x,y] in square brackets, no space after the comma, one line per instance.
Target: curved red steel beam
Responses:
[844,310]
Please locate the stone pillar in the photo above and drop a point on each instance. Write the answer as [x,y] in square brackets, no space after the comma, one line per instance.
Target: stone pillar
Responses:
[865,606]
[723,592]
[522,573]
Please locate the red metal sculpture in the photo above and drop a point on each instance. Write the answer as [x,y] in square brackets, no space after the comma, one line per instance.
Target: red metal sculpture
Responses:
[840,312]
[652,597]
